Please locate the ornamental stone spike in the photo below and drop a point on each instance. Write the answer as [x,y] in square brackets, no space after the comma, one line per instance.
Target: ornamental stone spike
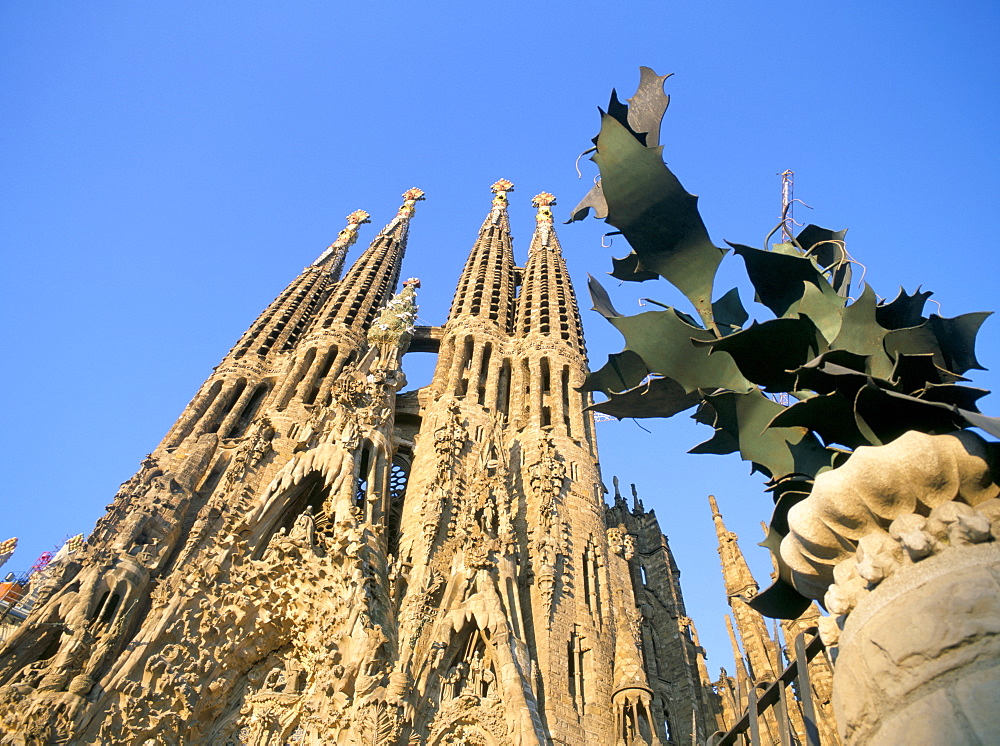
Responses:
[345,239]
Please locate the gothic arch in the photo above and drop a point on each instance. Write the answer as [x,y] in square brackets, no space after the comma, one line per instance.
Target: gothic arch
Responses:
[311,491]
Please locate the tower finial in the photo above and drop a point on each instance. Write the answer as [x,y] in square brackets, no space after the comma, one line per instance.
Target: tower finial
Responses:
[543,201]
[410,199]
[345,239]
[543,218]
[500,189]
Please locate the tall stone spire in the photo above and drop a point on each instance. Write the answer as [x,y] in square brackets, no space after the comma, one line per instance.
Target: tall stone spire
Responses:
[761,651]
[475,363]
[369,283]
[281,324]
[547,304]
[333,258]
[486,287]
[551,336]
[735,570]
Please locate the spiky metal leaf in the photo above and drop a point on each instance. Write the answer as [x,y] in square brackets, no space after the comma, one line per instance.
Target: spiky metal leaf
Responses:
[830,252]
[779,278]
[624,370]
[655,397]
[658,217]
[648,105]
[787,341]
[662,341]
[861,334]
[729,312]
[778,452]
[903,311]
[642,117]
[951,341]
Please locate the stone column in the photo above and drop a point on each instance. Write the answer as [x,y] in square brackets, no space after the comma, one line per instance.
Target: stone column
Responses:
[919,656]
[902,543]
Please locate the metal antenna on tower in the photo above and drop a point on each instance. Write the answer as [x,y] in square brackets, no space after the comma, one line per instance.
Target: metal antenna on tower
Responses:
[787,198]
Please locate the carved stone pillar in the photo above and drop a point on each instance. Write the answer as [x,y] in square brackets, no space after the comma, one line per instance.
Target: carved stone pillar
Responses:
[902,543]
[920,655]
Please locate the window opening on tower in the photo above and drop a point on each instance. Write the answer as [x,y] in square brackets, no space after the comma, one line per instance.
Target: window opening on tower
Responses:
[503,389]
[202,408]
[249,411]
[301,372]
[234,396]
[399,475]
[326,365]
[564,388]
[364,467]
[484,369]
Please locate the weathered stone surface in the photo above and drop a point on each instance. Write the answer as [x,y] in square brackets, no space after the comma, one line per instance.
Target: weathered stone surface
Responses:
[910,642]
[914,474]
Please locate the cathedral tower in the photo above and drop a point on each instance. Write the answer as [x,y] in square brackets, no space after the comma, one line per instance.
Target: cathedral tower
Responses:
[313,556]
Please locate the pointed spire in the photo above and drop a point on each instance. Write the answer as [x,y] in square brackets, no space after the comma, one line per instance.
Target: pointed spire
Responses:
[487,286]
[333,258]
[406,211]
[735,570]
[547,304]
[500,188]
[761,651]
[282,323]
[371,280]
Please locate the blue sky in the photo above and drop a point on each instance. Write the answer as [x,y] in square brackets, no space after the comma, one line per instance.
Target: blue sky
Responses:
[167,168]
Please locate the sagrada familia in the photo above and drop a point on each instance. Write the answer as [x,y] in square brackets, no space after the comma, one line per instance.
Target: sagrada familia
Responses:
[312,556]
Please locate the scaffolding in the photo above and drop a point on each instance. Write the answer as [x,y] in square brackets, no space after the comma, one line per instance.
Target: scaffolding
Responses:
[20,592]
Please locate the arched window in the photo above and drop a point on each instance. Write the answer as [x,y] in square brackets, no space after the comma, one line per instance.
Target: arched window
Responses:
[361,485]
[399,475]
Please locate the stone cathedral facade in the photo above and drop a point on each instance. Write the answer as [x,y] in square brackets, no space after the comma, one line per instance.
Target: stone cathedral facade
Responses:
[312,556]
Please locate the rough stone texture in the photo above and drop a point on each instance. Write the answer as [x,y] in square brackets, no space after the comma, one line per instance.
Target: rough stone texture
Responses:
[920,654]
[914,474]
[311,557]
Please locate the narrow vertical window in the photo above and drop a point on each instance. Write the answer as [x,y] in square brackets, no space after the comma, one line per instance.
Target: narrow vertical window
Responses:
[462,385]
[503,386]
[324,370]
[234,396]
[564,388]
[293,384]
[484,369]
[399,475]
[249,411]
[361,485]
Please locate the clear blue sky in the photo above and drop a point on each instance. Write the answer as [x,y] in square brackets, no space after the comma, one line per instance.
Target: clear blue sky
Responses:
[167,168]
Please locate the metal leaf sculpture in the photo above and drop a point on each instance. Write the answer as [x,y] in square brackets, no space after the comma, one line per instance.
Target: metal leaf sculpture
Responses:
[857,372]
